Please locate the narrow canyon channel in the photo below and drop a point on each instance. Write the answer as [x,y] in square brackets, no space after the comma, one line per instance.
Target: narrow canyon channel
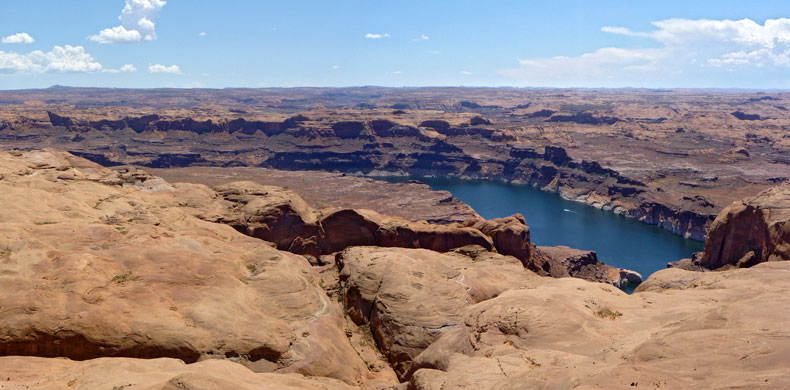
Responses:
[619,241]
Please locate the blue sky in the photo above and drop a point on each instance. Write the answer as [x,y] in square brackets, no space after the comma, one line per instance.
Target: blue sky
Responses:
[245,43]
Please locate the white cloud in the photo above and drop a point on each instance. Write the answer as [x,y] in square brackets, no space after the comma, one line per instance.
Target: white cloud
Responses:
[159,68]
[377,36]
[623,31]
[136,23]
[397,72]
[465,73]
[128,68]
[61,59]
[118,34]
[422,37]
[202,34]
[335,67]
[18,38]
[683,47]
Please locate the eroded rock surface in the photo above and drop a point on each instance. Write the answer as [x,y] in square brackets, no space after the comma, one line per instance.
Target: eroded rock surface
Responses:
[97,263]
[411,297]
[131,278]
[751,231]
[681,329]
[569,262]
[122,373]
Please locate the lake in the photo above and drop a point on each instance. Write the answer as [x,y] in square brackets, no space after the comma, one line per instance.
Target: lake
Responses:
[619,241]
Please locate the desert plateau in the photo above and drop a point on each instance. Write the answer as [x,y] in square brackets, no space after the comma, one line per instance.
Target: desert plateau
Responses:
[394,195]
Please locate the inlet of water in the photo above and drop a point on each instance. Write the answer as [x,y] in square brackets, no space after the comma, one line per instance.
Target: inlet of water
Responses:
[619,241]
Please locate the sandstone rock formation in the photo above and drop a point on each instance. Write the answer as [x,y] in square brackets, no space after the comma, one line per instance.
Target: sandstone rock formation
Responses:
[569,262]
[280,216]
[116,278]
[681,329]
[411,200]
[751,231]
[411,297]
[122,373]
[97,263]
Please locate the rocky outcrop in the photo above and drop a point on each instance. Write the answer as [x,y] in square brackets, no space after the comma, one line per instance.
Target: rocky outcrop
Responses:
[751,231]
[58,120]
[568,262]
[100,263]
[567,333]
[282,217]
[510,236]
[411,297]
[126,275]
[348,129]
[557,155]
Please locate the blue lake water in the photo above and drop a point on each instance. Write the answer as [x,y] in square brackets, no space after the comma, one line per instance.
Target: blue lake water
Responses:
[619,241]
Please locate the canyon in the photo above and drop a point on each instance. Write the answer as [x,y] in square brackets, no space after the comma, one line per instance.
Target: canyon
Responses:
[202,239]
[118,278]
[672,158]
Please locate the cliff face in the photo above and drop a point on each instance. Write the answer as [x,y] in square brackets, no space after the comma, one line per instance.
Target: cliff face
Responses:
[140,281]
[382,147]
[662,157]
[751,231]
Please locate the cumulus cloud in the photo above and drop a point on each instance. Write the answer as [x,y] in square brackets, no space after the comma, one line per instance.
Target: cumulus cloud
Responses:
[376,36]
[18,38]
[465,73]
[422,37]
[682,47]
[137,23]
[159,68]
[202,34]
[61,59]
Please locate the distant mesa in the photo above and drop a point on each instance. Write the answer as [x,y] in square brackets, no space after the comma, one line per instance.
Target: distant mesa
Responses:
[479,120]
[585,118]
[747,117]
[435,124]
[468,104]
[542,114]
[348,129]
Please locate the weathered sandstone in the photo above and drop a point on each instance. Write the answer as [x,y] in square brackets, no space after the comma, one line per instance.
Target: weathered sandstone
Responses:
[751,231]
[569,262]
